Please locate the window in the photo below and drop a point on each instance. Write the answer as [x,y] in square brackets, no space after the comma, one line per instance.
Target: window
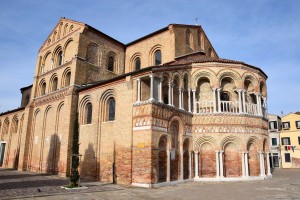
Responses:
[287,157]
[54,84]
[298,140]
[111,109]
[43,92]
[137,63]
[285,141]
[59,58]
[274,141]
[68,79]
[157,57]
[286,125]
[88,113]
[209,52]
[110,65]
[225,96]
[199,38]
[298,124]
[272,125]
[188,37]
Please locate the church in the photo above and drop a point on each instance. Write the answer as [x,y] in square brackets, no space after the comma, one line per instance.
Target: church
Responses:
[160,110]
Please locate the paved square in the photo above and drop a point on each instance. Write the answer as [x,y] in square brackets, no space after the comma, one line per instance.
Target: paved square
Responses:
[285,184]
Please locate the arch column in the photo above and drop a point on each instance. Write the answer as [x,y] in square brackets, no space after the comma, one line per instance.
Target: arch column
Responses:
[221,164]
[219,99]
[268,164]
[217,165]
[189,100]
[196,153]
[168,165]
[240,101]
[190,164]
[160,99]
[139,89]
[243,164]
[181,165]
[170,94]
[180,97]
[62,59]
[244,101]
[194,101]
[151,86]
[215,99]
[262,164]
[246,164]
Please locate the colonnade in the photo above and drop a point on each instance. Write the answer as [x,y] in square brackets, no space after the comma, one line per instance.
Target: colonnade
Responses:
[215,106]
[245,164]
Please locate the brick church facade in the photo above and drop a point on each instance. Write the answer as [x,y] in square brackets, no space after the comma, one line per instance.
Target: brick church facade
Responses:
[160,110]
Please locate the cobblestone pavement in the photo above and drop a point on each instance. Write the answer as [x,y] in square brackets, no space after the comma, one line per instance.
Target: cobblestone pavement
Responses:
[285,184]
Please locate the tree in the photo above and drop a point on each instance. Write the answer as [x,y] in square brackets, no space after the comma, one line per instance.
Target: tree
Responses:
[75,155]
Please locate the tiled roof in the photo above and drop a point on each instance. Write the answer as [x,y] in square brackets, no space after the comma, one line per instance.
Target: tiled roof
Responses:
[200,57]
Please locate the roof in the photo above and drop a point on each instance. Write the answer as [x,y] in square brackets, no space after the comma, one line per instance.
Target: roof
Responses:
[160,31]
[297,113]
[12,111]
[200,57]
[25,88]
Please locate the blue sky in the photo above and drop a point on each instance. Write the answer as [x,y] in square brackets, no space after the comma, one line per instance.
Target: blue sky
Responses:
[263,33]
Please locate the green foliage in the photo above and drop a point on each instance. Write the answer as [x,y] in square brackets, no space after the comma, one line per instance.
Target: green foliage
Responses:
[75,159]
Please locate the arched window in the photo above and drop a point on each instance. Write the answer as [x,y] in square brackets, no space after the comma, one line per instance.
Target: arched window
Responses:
[137,63]
[68,79]
[88,113]
[54,84]
[43,89]
[224,96]
[59,58]
[157,57]
[209,52]
[110,64]
[111,109]
[188,37]
[199,38]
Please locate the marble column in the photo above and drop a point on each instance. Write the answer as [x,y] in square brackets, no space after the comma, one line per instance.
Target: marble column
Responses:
[219,99]
[181,165]
[240,101]
[169,94]
[151,86]
[168,165]
[180,102]
[268,164]
[190,164]
[243,164]
[189,100]
[139,89]
[215,100]
[262,164]
[221,164]
[172,94]
[217,165]
[160,97]
[244,101]
[194,101]
[246,164]
[196,153]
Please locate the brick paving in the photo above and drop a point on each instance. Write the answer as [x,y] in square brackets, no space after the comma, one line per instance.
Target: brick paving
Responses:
[285,184]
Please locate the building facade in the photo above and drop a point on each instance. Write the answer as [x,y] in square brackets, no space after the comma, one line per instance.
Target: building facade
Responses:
[290,140]
[274,135]
[159,110]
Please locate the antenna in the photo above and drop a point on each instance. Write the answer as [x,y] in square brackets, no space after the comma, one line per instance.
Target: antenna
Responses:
[196,19]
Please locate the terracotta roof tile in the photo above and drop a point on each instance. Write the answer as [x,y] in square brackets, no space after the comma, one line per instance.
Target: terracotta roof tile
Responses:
[200,57]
